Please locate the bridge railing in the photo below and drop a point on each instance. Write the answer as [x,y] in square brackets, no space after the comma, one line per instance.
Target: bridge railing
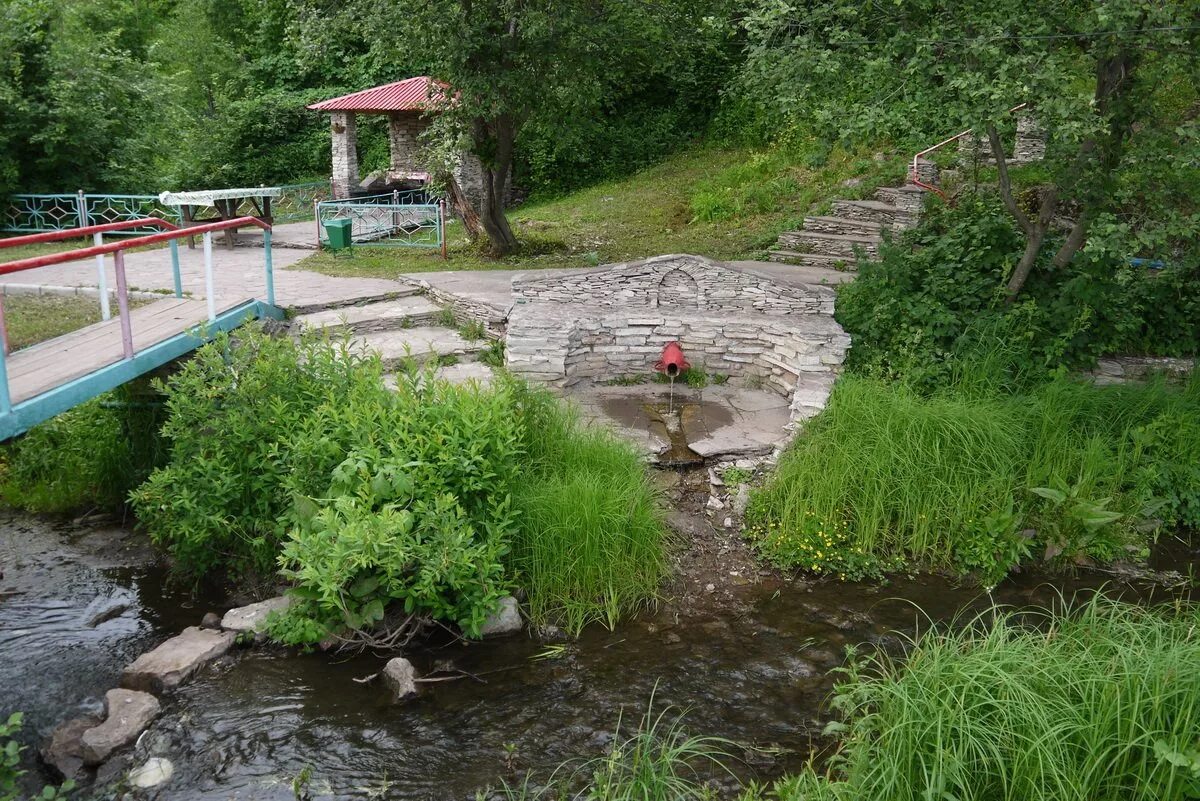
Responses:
[99,249]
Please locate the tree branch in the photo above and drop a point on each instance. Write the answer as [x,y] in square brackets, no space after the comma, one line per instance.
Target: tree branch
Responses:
[1006,193]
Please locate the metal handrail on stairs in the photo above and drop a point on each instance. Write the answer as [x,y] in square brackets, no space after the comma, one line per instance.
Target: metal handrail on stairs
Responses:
[913,173]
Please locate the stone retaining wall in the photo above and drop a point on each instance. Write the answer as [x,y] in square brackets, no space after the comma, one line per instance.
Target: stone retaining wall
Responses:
[614,322]
[1122,369]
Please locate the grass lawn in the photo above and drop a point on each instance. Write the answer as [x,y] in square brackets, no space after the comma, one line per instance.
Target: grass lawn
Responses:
[35,318]
[721,203]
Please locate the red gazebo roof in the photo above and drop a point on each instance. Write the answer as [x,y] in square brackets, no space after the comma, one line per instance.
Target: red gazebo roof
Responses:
[411,94]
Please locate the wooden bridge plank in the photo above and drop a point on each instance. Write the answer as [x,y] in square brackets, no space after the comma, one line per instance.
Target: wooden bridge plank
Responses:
[43,367]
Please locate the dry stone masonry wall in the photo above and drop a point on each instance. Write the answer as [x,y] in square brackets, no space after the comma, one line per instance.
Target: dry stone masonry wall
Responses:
[615,321]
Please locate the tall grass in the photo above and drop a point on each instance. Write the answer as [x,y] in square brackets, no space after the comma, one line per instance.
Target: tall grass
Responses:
[658,762]
[886,475]
[1099,704]
[590,544]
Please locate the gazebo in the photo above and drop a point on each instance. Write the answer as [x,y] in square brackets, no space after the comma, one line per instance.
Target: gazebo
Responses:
[404,102]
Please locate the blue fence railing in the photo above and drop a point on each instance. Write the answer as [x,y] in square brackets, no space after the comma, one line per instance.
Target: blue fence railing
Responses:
[31,214]
[377,222]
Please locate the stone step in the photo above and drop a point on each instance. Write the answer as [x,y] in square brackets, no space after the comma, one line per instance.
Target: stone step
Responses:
[875,211]
[840,263]
[843,225]
[461,373]
[384,315]
[909,197]
[402,291]
[420,344]
[829,244]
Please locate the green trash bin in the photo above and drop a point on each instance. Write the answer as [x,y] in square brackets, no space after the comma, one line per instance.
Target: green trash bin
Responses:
[339,233]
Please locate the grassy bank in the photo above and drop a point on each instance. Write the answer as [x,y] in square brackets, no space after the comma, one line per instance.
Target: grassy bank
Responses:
[35,318]
[722,203]
[1066,472]
[1099,705]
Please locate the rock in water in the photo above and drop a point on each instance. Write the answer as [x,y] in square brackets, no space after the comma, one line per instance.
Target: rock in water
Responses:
[166,667]
[211,620]
[254,617]
[156,771]
[505,620]
[400,677]
[129,713]
[64,750]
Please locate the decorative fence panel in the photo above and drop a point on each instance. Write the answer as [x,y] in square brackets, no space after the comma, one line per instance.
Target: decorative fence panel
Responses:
[33,214]
[377,222]
[296,202]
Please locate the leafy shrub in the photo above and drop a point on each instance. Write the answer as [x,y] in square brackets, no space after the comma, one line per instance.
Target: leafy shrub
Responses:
[1096,704]
[934,300]
[590,541]
[90,456]
[402,498]
[233,410]
[885,476]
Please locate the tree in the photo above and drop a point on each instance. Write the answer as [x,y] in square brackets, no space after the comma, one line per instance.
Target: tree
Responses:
[1113,82]
[511,62]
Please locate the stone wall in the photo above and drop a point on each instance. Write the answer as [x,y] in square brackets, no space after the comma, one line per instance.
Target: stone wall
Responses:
[404,132]
[615,321]
[1122,369]
[344,138]
[690,282]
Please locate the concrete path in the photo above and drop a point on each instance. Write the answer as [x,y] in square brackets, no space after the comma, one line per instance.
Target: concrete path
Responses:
[237,274]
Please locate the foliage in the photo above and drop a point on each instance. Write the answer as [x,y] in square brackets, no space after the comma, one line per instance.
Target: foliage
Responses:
[390,508]
[1097,703]
[933,303]
[402,497]
[658,762]
[884,476]
[590,540]
[1113,82]
[90,456]
[10,760]
[233,411]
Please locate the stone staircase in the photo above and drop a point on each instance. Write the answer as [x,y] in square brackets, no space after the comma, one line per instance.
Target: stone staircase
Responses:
[402,328]
[852,227]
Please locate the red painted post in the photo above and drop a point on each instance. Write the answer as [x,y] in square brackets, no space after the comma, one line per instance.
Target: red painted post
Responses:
[123,304]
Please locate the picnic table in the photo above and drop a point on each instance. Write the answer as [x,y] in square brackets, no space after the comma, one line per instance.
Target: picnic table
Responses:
[226,202]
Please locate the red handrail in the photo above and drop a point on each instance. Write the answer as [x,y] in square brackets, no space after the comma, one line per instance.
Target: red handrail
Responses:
[72,233]
[115,247]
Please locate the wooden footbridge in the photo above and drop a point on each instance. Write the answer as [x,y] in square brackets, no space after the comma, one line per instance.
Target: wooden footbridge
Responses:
[46,379]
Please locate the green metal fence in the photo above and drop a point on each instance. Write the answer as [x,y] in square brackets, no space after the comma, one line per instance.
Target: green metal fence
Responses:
[378,222]
[31,214]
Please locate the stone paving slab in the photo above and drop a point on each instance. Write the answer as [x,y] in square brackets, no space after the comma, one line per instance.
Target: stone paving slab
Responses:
[419,343]
[372,316]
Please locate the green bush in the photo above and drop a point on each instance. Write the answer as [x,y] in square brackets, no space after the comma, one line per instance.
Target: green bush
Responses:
[399,504]
[233,410]
[402,497]
[90,456]
[10,761]
[934,300]
[590,540]
[1097,704]
[884,476]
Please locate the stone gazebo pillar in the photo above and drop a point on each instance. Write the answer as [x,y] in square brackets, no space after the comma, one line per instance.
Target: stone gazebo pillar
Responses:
[345,154]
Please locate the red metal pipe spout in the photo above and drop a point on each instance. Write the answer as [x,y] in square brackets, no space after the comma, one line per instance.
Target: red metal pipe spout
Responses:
[672,362]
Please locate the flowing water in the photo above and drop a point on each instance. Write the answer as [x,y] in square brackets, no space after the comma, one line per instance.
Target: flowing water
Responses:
[73,613]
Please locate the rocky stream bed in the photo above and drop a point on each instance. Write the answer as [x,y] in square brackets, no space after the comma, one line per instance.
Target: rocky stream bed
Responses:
[745,653]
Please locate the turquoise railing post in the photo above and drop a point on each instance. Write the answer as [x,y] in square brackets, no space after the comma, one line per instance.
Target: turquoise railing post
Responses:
[268,267]
[5,399]
[175,268]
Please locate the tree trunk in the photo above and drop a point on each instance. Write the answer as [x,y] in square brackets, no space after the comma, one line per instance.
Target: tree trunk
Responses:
[463,208]
[1034,230]
[494,141]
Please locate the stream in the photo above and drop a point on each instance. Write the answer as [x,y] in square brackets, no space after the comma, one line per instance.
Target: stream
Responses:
[756,671]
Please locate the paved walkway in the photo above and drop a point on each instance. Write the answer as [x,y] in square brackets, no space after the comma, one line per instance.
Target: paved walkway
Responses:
[237,274]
